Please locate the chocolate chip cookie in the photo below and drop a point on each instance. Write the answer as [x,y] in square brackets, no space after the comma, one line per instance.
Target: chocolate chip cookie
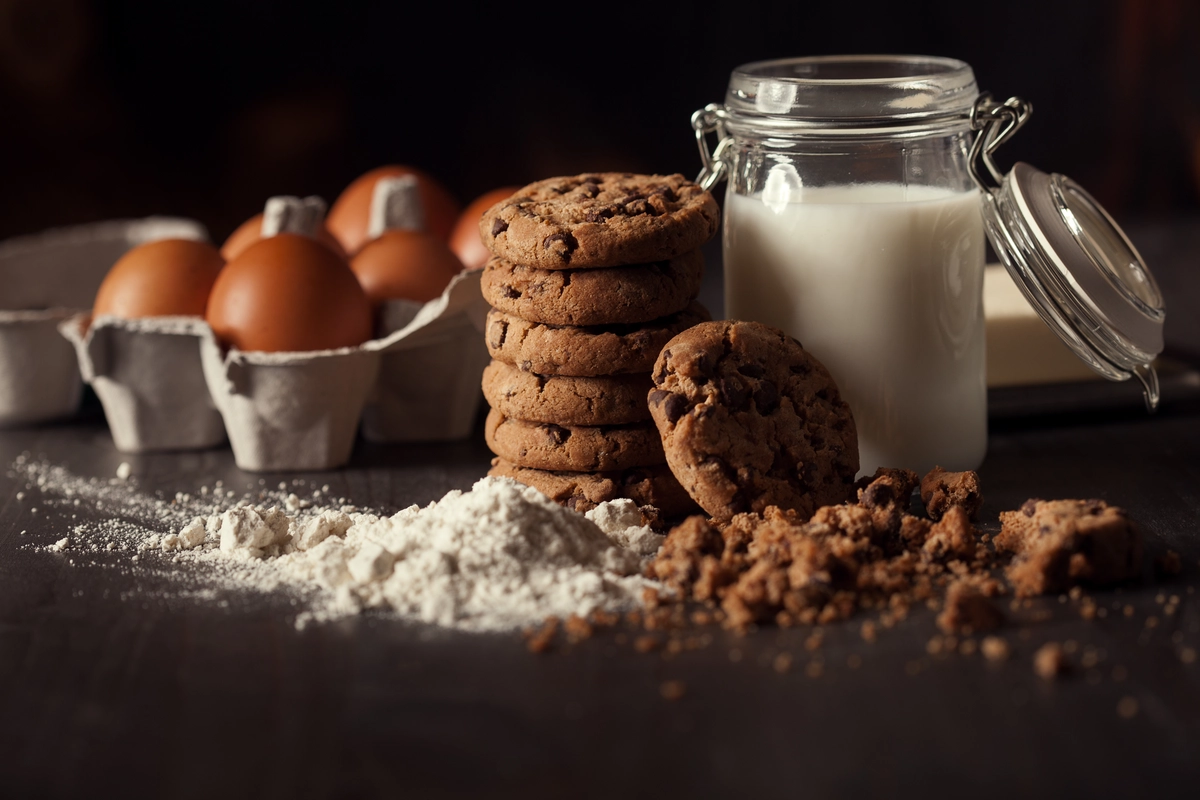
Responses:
[572,448]
[653,485]
[611,400]
[750,419]
[583,351]
[600,220]
[637,293]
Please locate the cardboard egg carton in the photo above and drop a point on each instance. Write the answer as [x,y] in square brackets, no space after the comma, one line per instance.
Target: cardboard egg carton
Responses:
[167,383]
[48,278]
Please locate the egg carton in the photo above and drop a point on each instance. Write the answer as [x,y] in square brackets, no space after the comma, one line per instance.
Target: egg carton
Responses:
[47,279]
[167,383]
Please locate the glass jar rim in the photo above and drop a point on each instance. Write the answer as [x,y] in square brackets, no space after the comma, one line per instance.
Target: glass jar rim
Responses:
[859,90]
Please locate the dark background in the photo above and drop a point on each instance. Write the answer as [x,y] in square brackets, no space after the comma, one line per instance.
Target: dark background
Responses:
[203,109]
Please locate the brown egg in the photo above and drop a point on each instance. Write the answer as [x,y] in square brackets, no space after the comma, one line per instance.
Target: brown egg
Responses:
[405,265]
[465,240]
[250,232]
[169,277]
[288,293]
[351,212]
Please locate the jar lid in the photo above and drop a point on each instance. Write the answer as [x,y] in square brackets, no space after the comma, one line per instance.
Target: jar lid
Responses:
[1069,258]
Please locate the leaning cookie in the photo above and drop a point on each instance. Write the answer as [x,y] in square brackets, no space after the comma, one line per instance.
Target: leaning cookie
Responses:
[572,448]
[600,220]
[584,351]
[750,419]
[652,485]
[637,293]
[609,400]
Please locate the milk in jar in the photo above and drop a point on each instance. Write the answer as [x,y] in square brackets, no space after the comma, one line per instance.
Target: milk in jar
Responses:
[883,283]
[853,222]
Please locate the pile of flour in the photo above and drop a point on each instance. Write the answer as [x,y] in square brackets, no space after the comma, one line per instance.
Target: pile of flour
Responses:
[498,557]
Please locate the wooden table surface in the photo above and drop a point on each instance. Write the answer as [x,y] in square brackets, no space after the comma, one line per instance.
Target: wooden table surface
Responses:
[109,685]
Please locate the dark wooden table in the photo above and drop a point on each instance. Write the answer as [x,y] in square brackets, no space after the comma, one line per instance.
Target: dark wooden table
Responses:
[109,686]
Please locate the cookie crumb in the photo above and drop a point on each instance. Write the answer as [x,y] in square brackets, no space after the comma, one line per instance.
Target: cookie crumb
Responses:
[995,648]
[1050,661]
[577,629]
[1168,565]
[672,690]
[942,490]
[1127,707]
[541,640]
[968,611]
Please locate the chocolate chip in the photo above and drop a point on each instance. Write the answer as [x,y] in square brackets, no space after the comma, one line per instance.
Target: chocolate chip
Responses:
[511,293]
[600,214]
[562,243]
[766,398]
[674,405]
[800,369]
[752,370]
[733,393]
[590,189]
[557,433]
[526,366]
[703,365]
[1028,507]
[498,341]
[877,495]
[499,226]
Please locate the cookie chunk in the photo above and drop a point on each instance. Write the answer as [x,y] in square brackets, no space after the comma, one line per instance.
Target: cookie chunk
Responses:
[572,448]
[639,293]
[750,419]
[968,610]
[942,490]
[584,351]
[1061,543]
[611,400]
[653,485]
[600,220]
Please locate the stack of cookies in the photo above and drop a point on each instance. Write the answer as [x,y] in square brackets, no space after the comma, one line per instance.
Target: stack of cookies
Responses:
[590,276]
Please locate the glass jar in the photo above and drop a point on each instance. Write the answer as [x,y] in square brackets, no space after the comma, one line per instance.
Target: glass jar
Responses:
[852,223]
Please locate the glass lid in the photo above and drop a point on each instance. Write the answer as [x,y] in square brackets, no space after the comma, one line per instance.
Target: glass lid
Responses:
[1072,262]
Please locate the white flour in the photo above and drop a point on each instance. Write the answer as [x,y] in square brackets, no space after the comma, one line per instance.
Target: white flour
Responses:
[498,557]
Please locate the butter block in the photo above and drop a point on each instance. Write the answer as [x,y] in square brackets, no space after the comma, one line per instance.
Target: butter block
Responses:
[1021,348]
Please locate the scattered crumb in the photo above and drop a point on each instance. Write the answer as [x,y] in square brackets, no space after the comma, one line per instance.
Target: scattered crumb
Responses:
[124,471]
[647,643]
[541,640]
[968,610]
[61,545]
[672,690]
[995,648]
[578,629]
[1050,661]
[1168,565]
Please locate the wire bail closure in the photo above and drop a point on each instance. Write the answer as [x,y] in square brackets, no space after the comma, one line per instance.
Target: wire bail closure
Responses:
[711,119]
[998,122]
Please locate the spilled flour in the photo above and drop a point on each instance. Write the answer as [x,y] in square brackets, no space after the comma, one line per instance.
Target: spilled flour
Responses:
[498,557]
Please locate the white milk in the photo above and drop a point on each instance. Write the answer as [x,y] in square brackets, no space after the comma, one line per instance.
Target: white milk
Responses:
[883,283]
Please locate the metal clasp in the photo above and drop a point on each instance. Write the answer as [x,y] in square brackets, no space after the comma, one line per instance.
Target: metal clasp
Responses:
[997,123]
[711,119]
